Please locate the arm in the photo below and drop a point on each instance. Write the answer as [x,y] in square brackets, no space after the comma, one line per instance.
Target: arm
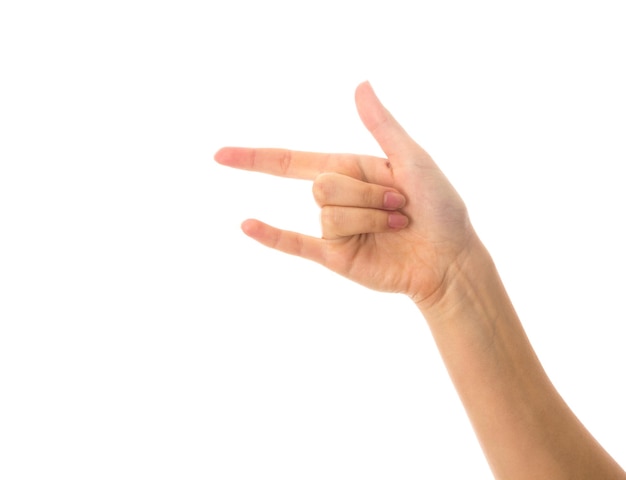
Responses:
[525,428]
[396,224]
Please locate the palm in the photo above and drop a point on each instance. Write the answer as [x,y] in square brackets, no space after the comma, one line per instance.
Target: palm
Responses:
[413,260]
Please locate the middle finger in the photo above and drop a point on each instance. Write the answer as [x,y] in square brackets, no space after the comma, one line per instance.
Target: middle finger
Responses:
[342,190]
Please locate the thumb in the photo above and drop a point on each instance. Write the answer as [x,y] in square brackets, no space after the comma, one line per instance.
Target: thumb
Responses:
[386,130]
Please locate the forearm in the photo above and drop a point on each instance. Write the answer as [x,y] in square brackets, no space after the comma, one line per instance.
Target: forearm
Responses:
[525,428]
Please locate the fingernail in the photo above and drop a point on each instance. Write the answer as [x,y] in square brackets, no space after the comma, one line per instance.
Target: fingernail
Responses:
[393,200]
[397,220]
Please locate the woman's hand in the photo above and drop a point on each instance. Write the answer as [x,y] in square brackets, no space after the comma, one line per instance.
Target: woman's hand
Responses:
[392,224]
[397,225]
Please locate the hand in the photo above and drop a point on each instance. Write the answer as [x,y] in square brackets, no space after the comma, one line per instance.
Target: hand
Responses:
[393,224]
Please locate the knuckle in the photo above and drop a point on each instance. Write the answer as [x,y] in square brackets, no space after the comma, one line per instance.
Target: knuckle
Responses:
[368,197]
[323,189]
[327,216]
[284,162]
[378,222]
[368,221]
[332,219]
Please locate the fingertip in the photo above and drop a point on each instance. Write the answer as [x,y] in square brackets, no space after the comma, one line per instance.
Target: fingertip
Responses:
[393,200]
[369,107]
[231,156]
[362,90]
[221,155]
[251,227]
[362,87]
[397,221]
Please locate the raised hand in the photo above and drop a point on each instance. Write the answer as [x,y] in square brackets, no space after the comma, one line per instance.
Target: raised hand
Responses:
[396,224]
[392,224]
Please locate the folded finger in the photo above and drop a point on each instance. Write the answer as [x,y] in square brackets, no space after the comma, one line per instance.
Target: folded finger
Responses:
[342,190]
[340,222]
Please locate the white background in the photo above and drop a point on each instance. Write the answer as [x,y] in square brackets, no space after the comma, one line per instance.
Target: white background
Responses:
[142,335]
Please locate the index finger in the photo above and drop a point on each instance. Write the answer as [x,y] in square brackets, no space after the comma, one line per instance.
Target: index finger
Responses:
[287,163]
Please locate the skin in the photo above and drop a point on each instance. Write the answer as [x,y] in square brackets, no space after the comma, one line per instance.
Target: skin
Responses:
[396,224]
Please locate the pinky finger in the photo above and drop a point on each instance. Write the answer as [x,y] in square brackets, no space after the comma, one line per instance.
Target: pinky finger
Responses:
[285,241]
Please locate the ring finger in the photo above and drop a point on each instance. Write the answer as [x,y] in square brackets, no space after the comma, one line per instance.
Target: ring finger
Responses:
[340,222]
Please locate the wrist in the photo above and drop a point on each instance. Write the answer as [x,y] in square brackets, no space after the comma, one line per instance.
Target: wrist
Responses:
[471,290]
